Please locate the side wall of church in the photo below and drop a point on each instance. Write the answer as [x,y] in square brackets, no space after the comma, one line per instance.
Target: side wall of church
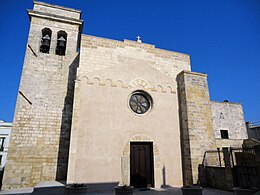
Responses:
[39,144]
[229,116]
[196,122]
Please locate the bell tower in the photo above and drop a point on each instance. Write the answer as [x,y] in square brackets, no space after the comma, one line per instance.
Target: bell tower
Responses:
[41,127]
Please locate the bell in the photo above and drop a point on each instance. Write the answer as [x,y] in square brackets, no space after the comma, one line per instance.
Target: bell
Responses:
[61,43]
[61,46]
[46,41]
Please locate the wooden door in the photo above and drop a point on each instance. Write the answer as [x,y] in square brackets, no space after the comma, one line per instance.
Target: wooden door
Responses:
[141,164]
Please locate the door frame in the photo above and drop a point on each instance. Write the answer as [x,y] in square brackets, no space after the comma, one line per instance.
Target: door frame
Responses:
[125,160]
[151,159]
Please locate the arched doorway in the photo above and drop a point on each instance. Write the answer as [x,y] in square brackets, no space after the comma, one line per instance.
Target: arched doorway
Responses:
[137,145]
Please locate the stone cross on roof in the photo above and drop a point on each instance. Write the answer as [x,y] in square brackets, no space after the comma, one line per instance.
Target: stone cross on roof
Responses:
[139,39]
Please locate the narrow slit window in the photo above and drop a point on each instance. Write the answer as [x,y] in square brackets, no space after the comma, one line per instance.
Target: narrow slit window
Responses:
[221,115]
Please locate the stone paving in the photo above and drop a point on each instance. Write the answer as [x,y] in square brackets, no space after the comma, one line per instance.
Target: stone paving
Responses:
[167,191]
[172,191]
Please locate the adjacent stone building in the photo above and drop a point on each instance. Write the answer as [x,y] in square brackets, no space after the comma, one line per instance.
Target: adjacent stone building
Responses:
[253,130]
[106,112]
[5,133]
[228,123]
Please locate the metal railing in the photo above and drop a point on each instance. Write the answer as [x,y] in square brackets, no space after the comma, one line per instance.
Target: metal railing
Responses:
[213,158]
[244,156]
[242,162]
[245,167]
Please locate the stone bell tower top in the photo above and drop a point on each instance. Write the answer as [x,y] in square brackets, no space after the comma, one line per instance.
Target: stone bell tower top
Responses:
[60,27]
[57,13]
[52,9]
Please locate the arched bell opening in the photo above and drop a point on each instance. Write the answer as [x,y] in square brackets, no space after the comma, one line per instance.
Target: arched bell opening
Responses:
[46,40]
[61,43]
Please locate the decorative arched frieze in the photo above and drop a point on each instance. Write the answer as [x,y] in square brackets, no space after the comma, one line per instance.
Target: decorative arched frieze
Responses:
[119,83]
[84,79]
[159,88]
[96,81]
[153,88]
[140,83]
[135,84]
[169,89]
[102,83]
[109,83]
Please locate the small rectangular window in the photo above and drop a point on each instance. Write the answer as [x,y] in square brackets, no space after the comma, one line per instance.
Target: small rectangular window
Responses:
[2,143]
[224,134]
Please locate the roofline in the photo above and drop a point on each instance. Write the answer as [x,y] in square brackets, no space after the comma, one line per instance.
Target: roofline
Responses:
[57,6]
[5,124]
[239,103]
[135,42]
[55,17]
[181,74]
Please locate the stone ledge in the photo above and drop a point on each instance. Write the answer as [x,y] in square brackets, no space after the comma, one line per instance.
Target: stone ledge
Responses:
[56,6]
[54,17]
[18,191]
[237,103]
[229,139]
[181,74]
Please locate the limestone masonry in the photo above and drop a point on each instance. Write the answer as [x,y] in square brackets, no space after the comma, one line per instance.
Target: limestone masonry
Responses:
[106,112]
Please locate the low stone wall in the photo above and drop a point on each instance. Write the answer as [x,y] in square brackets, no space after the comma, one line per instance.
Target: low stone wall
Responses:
[220,143]
[219,177]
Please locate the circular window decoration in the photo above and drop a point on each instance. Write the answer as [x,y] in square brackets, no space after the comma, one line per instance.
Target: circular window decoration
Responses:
[140,102]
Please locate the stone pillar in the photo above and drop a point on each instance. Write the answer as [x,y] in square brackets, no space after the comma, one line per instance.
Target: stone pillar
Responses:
[195,121]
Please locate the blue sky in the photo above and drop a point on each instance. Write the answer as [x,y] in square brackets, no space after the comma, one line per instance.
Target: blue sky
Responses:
[222,37]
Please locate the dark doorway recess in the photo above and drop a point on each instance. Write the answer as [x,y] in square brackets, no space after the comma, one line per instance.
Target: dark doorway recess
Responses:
[141,164]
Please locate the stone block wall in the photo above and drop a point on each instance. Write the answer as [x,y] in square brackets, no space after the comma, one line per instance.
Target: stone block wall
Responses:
[229,142]
[101,53]
[196,123]
[41,128]
[52,10]
[219,177]
[229,116]
[253,130]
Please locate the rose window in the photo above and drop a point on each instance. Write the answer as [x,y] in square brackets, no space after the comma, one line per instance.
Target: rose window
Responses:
[139,102]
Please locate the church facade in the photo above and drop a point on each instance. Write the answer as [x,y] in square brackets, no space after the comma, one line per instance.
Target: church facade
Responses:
[105,112]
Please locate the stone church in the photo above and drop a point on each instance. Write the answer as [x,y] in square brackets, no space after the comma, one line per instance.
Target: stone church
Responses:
[106,112]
